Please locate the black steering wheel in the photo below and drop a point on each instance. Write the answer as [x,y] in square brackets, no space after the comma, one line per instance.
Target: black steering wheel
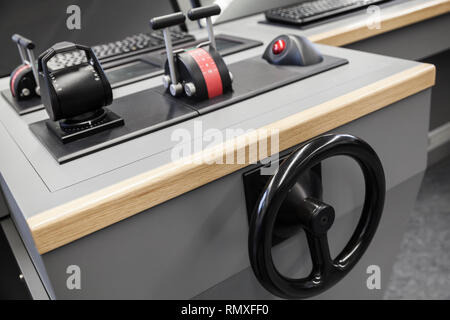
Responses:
[316,218]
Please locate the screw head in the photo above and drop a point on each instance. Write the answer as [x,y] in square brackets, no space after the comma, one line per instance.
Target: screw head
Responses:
[189,89]
[176,89]
[166,81]
[26,92]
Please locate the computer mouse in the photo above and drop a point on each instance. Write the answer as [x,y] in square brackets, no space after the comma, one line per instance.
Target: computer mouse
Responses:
[292,50]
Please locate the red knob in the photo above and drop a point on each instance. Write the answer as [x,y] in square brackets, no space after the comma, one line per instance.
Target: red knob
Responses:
[279,46]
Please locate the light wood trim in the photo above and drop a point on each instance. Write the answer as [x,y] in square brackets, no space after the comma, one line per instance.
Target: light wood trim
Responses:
[389,21]
[73,220]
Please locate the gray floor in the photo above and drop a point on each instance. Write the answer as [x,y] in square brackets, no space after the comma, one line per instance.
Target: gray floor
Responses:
[422,269]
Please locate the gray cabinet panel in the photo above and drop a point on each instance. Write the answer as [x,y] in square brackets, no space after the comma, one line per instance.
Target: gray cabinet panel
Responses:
[189,244]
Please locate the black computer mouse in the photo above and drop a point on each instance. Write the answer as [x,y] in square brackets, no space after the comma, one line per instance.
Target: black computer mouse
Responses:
[292,50]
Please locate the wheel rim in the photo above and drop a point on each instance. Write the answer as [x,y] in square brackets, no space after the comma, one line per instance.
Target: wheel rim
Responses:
[326,271]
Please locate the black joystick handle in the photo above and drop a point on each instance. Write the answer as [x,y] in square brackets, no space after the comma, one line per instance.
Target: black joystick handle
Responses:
[73,91]
[206,12]
[166,21]
[316,218]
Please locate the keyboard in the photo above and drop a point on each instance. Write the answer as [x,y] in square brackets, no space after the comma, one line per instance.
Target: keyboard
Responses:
[311,11]
[131,45]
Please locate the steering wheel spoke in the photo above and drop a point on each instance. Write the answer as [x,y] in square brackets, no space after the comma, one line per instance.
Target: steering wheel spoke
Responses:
[320,253]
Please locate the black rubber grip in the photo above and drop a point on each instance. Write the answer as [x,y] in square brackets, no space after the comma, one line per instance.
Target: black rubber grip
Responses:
[167,21]
[24,42]
[204,12]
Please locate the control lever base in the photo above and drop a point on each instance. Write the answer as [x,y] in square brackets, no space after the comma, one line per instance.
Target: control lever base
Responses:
[69,130]
[203,75]
[80,122]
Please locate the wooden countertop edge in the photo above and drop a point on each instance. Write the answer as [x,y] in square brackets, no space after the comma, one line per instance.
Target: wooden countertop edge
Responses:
[389,21]
[73,220]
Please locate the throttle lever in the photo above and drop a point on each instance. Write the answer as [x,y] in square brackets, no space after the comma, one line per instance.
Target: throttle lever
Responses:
[26,48]
[206,12]
[202,74]
[164,22]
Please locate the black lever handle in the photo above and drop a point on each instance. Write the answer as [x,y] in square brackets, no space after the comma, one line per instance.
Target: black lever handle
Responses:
[204,12]
[167,20]
[24,42]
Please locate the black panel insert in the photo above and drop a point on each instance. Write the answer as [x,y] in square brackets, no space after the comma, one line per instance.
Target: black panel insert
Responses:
[137,68]
[142,112]
[256,76]
[23,106]
[154,109]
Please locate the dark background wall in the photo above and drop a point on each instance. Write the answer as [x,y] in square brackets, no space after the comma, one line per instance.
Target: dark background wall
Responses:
[44,21]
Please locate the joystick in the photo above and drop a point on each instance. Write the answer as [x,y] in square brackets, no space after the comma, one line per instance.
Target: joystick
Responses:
[75,96]
[24,79]
[201,73]
[292,50]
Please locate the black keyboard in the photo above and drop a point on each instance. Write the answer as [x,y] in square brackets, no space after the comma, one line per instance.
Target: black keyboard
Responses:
[311,11]
[135,44]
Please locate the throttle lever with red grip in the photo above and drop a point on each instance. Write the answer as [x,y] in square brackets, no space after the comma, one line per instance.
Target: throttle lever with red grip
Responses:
[23,81]
[201,73]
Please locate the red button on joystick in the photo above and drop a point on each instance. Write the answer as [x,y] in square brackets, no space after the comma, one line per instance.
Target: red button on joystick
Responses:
[279,46]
